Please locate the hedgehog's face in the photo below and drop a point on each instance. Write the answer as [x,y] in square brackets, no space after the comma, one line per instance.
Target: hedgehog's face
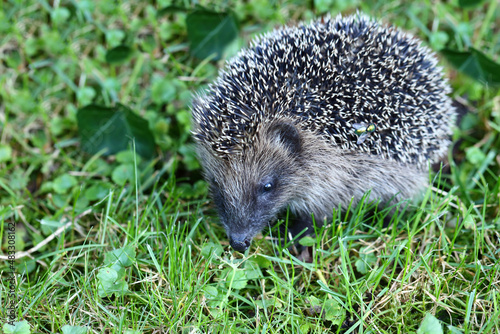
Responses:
[251,189]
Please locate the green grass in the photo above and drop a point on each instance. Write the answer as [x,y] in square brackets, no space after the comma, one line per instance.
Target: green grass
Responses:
[78,216]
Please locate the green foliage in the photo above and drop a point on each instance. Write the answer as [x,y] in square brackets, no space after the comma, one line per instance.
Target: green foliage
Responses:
[64,183]
[112,276]
[67,329]
[109,283]
[111,129]
[430,325]
[21,327]
[307,241]
[475,64]
[209,33]
[366,261]
[119,54]
[470,3]
[5,153]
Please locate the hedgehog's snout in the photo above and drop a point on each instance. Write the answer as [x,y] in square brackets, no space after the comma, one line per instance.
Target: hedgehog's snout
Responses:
[240,242]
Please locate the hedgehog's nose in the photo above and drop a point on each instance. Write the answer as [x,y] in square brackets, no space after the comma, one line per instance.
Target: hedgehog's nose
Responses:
[240,242]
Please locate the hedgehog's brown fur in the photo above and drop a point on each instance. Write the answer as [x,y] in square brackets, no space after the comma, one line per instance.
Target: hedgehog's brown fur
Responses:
[284,114]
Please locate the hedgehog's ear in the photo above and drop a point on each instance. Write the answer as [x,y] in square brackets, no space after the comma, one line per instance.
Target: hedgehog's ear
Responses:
[288,135]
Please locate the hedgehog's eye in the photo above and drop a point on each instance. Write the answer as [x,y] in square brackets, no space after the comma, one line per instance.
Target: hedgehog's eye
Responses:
[268,187]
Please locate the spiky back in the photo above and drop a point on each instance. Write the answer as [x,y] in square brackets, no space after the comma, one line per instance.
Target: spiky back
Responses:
[326,77]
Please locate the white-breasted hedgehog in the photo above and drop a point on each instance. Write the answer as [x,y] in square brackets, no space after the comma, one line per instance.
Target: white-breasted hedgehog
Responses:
[313,116]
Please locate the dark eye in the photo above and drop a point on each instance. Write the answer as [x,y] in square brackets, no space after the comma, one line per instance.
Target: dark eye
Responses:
[268,187]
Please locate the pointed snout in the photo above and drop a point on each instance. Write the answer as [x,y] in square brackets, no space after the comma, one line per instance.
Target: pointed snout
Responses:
[240,242]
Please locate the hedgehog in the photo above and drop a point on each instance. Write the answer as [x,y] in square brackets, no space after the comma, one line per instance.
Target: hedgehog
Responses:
[316,116]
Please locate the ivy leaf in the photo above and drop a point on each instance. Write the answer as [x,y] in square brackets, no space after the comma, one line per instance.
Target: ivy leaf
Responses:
[112,129]
[67,329]
[119,54]
[475,64]
[239,279]
[85,95]
[211,292]
[97,192]
[5,153]
[210,248]
[475,156]
[50,226]
[124,256]
[122,174]
[59,15]
[210,33]
[20,327]
[307,241]
[266,303]
[334,312]
[430,325]
[109,283]
[162,91]
[366,261]
[262,261]
[172,9]
[107,276]
[64,183]
[252,270]
[470,3]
